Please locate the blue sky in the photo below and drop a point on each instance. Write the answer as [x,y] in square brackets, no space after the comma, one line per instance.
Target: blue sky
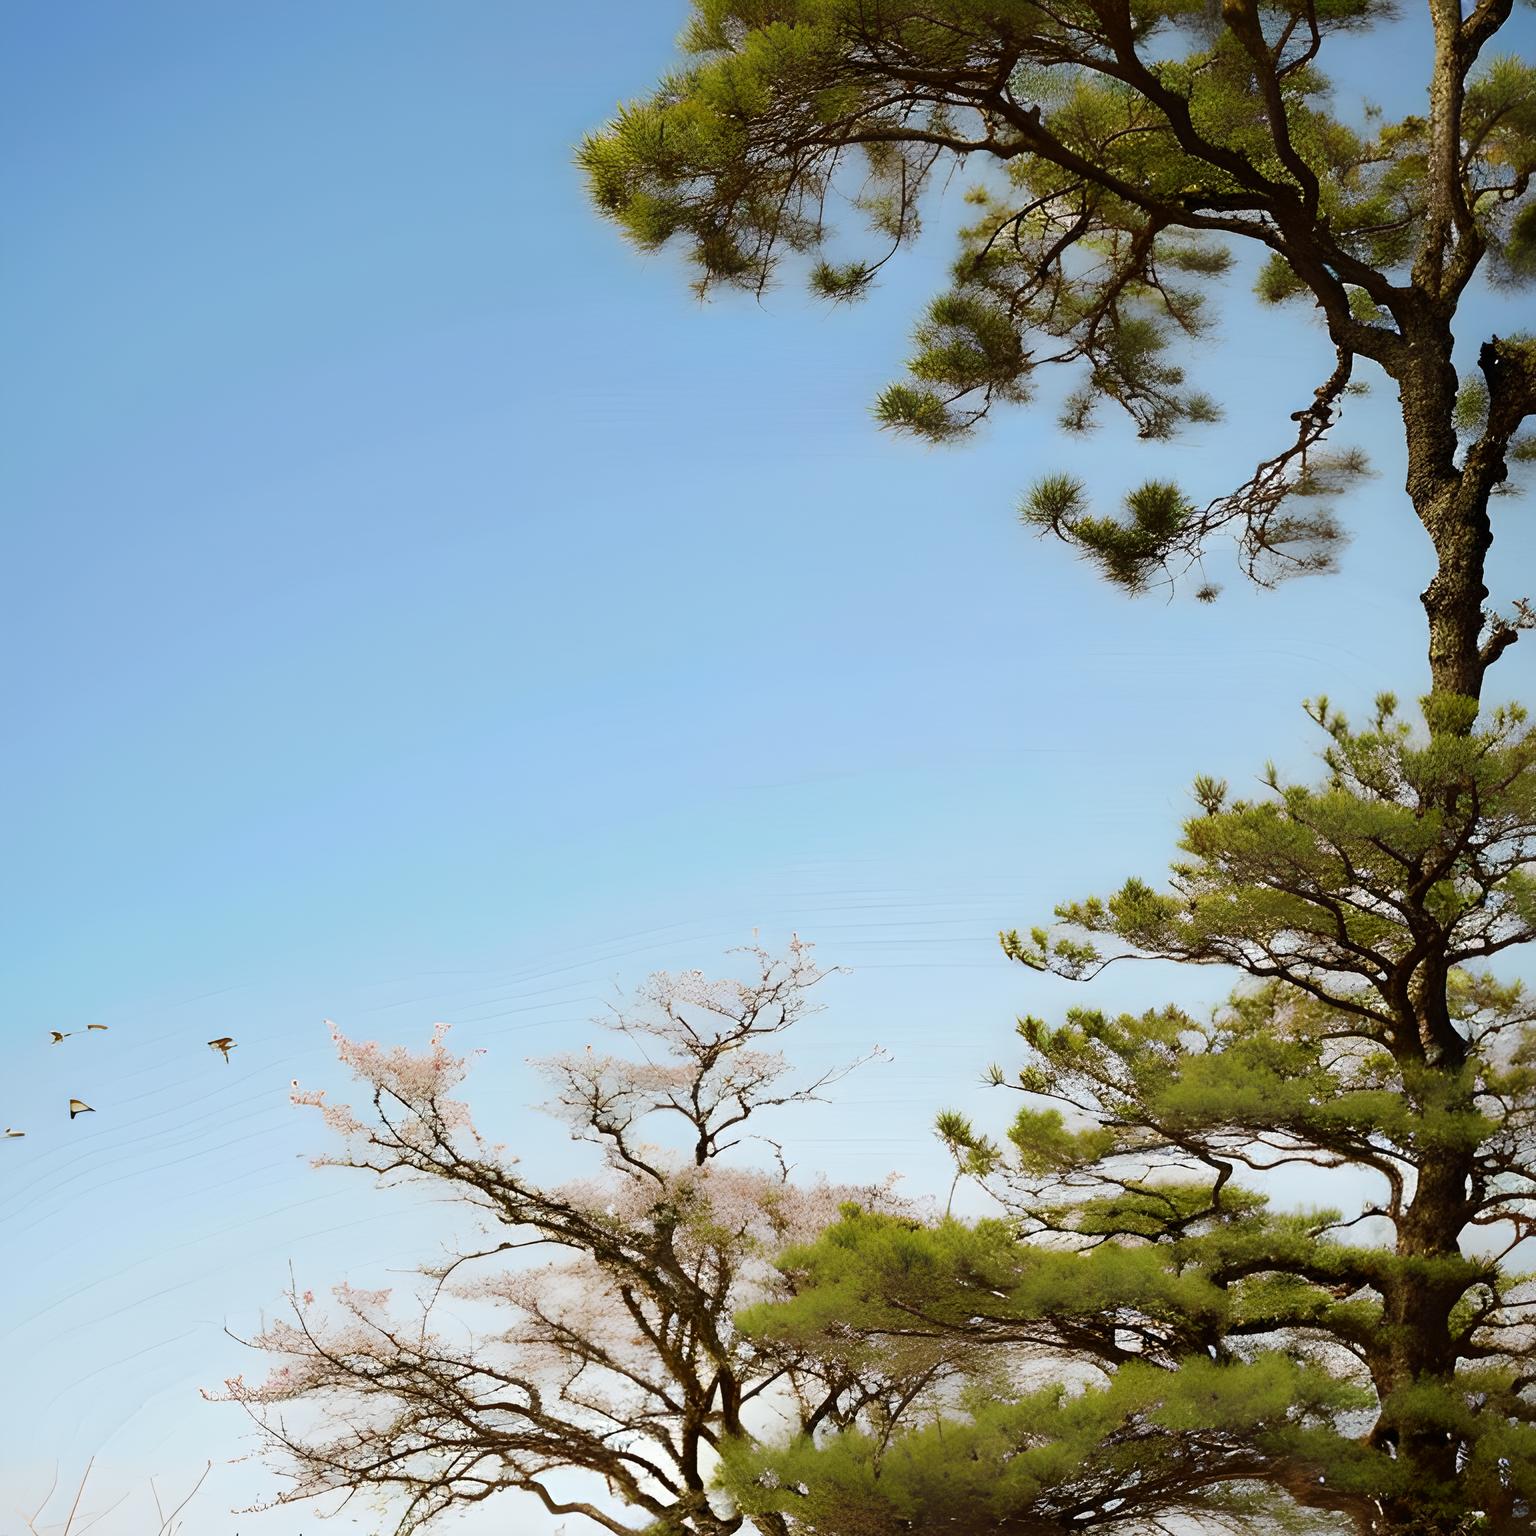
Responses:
[417,606]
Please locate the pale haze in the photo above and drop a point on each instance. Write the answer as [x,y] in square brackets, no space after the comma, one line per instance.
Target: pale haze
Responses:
[418,607]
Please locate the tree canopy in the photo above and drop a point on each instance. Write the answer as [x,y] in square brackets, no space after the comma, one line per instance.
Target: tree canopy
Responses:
[1119,150]
[600,1382]
[1373,1367]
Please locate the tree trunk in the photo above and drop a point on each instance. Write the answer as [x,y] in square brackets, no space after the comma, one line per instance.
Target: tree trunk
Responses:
[1417,1344]
[1457,521]
[1452,506]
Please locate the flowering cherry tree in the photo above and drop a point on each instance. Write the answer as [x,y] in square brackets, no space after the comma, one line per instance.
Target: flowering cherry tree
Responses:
[605,1378]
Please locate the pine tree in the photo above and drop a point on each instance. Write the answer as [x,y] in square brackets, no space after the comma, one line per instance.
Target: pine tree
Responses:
[1146,1337]
[1150,1339]
[1124,149]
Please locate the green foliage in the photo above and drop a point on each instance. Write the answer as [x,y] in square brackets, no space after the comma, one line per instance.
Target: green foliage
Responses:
[1050,1459]
[1142,1335]
[1305,884]
[1045,1145]
[1518,249]
[841,282]
[922,411]
[1129,552]
[1115,155]
[974,1154]
[1500,118]
[1279,281]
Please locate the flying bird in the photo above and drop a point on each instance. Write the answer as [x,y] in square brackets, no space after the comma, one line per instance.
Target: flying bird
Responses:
[222,1045]
[95,1026]
[10,1132]
[79,1107]
[59,1034]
